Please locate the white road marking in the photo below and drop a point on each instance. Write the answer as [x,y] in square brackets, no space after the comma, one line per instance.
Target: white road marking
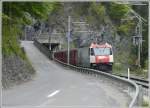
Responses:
[54,93]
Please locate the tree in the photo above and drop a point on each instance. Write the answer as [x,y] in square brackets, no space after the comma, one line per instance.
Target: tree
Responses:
[15,15]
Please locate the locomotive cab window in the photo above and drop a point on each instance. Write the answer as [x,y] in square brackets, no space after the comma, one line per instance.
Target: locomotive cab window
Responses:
[110,51]
[91,51]
[102,51]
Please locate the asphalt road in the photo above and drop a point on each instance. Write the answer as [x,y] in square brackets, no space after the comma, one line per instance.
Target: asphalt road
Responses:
[54,85]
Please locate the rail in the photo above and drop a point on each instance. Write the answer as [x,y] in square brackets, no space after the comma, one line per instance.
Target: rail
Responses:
[122,81]
[142,82]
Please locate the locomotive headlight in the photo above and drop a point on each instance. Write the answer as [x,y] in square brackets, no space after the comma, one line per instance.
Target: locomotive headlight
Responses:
[101,57]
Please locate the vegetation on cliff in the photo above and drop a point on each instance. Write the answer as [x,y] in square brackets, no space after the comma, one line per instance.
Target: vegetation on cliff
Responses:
[15,16]
[119,29]
[108,15]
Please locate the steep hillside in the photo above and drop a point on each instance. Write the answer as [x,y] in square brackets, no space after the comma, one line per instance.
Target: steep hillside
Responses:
[104,18]
[107,19]
[16,67]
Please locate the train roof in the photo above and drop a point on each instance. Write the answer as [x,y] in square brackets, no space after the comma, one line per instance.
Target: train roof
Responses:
[63,50]
[95,45]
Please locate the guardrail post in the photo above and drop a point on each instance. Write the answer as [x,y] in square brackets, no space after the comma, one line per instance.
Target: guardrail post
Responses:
[128,73]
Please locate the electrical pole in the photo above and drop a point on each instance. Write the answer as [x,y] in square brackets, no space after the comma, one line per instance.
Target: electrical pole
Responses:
[49,41]
[139,54]
[25,33]
[138,38]
[139,34]
[68,35]
[140,41]
[49,36]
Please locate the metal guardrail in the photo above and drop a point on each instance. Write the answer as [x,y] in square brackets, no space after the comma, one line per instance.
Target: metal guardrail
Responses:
[43,49]
[125,82]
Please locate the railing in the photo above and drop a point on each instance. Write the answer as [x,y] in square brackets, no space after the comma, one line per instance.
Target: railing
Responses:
[125,83]
[43,49]
[128,83]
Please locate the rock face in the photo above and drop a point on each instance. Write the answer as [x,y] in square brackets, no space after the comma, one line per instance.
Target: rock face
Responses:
[15,71]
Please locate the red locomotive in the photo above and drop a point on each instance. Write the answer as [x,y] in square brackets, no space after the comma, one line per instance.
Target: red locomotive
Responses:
[94,56]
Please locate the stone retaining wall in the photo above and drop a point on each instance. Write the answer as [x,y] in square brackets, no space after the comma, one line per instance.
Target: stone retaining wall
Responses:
[15,71]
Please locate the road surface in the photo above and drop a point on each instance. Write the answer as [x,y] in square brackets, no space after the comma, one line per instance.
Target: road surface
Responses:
[54,85]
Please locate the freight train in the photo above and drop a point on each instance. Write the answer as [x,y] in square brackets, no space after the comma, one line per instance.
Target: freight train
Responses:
[94,56]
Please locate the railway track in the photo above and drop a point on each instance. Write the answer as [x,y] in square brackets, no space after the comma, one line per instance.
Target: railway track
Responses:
[142,82]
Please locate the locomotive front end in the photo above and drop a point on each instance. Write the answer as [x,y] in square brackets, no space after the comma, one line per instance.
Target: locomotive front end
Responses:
[101,56]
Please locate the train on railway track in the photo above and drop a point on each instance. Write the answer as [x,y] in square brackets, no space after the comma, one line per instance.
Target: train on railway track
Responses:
[97,56]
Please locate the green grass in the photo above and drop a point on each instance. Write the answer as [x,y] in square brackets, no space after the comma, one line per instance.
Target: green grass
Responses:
[145,102]
[10,42]
[120,69]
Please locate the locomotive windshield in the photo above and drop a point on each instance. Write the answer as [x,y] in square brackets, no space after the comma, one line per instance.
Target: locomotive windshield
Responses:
[102,51]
